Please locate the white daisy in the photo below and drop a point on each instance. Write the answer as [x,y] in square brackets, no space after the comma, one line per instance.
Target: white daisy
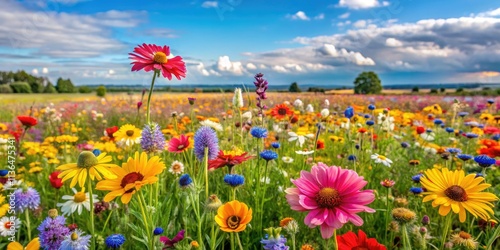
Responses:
[8,227]
[428,136]
[247,115]
[215,125]
[176,168]
[381,159]
[300,152]
[298,104]
[386,122]
[325,113]
[287,159]
[76,202]
[309,108]
[299,138]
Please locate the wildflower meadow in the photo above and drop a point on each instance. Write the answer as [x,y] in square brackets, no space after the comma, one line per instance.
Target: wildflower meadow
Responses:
[248,170]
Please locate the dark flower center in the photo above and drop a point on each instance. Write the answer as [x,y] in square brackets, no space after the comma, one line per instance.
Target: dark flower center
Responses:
[233,221]
[131,178]
[130,132]
[282,111]
[160,57]
[328,198]
[180,147]
[456,193]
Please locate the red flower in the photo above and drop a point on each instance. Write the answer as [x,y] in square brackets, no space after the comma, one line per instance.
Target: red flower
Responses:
[320,144]
[27,121]
[281,111]
[352,241]
[362,130]
[110,131]
[178,145]
[229,159]
[54,180]
[139,105]
[420,130]
[170,243]
[153,57]
[491,130]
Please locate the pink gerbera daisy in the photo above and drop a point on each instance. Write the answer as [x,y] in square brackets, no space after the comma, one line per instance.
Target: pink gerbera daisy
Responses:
[332,196]
[179,145]
[153,57]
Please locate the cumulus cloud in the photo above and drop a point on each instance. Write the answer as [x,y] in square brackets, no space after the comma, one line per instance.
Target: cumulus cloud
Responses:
[345,15]
[224,64]
[393,42]
[300,15]
[361,4]
[45,70]
[210,4]
[491,13]
[251,66]
[320,16]
[34,71]
[357,58]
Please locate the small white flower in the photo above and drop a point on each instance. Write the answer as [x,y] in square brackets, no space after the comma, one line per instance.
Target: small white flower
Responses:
[8,227]
[247,115]
[309,108]
[176,168]
[381,159]
[428,136]
[238,98]
[299,138]
[326,103]
[298,103]
[76,202]
[215,125]
[287,159]
[300,152]
[266,180]
[325,113]
[277,128]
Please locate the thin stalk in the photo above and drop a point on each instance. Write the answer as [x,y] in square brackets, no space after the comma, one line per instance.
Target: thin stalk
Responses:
[107,220]
[142,204]
[205,166]
[148,113]
[91,198]
[239,242]
[28,227]
[335,243]
[232,241]
[293,241]
[212,232]
[387,215]
[447,225]
[405,238]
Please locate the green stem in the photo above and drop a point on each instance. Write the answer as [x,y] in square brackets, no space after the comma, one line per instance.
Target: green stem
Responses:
[404,236]
[263,197]
[28,227]
[387,215]
[205,159]
[149,231]
[232,241]
[107,220]
[335,243]
[239,242]
[198,218]
[148,115]
[447,225]
[293,241]
[91,198]
[212,232]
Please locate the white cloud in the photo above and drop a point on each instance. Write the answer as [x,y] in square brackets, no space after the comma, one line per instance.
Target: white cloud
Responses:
[224,64]
[342,24]
[393,42]
[349,56]
[34,71]
[320,16]
[300,15]
[279,69]
[111,72]
[251,66]
[45,70]
[345,15]
[491,13]
[210,4]
[360,24]
[361,4]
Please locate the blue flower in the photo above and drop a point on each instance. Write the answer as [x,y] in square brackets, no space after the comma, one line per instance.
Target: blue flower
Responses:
[491,101]
[4,172]
[268,155]
[367,116]
[416,190]
[185,180]
[258,132]
[158,231]
[484,160]
[370,122]
[471,135]
[52,232]
[114,241]
[438,121]
[449,130]
[349,112]
[351,158]
[153,140]
[479,175]
[234,180]
[464,157]
[275,145]
[96,152]
[416,178]
[27,198]
[75,240]
[206,137]
[405,144]
[496,137]
[454,151]
[273,243]
[371,107]
[462,114]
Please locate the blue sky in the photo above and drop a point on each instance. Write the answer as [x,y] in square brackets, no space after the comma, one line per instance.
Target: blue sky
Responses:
[228,41]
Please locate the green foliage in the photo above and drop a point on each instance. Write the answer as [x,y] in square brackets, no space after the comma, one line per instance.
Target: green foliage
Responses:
[84,89]
[49,89]
[294,88]
[434,91]
[367,83]
[5,89]
[415,89]
[101,91]
[315,89]
[442,90]
[459,90]
[20,87]
[65,86]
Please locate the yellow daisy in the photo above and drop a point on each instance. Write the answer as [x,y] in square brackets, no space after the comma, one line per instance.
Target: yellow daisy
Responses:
[87,164]
[133,174]
[33,245]
[453,191]
[128,134]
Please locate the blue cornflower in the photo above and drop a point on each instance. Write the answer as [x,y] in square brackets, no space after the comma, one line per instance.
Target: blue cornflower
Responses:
[114,241]
[462,114]
[75,241]
[438,121]
[52,232]
[275,145]
[158,231]
[4,172]
[449,130]
[351,158]
[496,137]
[416,190]
[206,137]
[464,157]
[370,122]
[96,152]
[185,180]
[153,140]
[357,146]
[367,116]
[268,155]
[271,243]
[428,130]
[471,135]
[484,160]
[371,107]
[454,151]
[405,144]
[491,101]
[26,198]
[481,126]
[416,178]
[258,132]
[349,112]
[234,180]
[479,175]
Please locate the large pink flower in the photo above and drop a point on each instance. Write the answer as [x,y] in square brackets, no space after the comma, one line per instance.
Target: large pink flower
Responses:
[332,196]
[153,57]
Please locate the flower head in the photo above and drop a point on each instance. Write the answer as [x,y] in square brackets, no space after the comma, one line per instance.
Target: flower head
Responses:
[381,159]
[349,112]
[115,241]
[179,144]
[170,243]
[152,140]
[238,98]
[387,183]
[153,57]
[185,180]
[350,240]
[76,202]
[454,191]
[234,180]
[109,132]
[205,137]
[464,239]
[135,173]
[484,160]
[33,245]
[403,215]
[228,158]
[273,239]
[128,135]
[26,198]
[281,111]
[9,226]
[52,232]
[258,132]
[268,155]
[158,231]
[176,168]
[87,164]
[332,195]
[27,121]
[233,216]
[75,241]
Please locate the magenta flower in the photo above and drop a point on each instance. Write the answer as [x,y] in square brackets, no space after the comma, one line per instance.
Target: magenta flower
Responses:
[332,195]
[153,57]
[170,243]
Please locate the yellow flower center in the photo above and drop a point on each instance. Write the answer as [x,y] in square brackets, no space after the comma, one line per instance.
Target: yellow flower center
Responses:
[403,215]
[464,235]
[74,236]
[456,193]
[234,152]
[233,221]
[160,57]
[328,198]
[79,197]
[381,157]
[130,132]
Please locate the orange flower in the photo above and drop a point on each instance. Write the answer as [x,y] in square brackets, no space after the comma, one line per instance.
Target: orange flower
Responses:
[233,216]
[281,111]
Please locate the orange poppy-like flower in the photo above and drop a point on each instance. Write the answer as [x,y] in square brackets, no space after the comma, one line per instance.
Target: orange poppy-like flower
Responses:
[281,111]
[27,121]
[228,158]
[233,216]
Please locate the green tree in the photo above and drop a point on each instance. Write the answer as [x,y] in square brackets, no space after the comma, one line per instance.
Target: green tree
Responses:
[415,89]
[101,91]
[5,89]
[294,87]
[20,87]
[84,89]
[367,83]
[65,86]
[49,89]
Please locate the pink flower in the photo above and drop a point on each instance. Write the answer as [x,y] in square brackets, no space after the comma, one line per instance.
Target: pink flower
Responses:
[153,57]
[332,196]
[179,145]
